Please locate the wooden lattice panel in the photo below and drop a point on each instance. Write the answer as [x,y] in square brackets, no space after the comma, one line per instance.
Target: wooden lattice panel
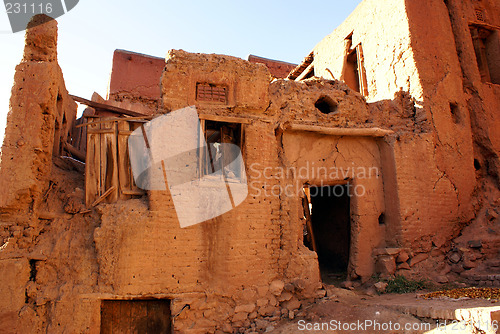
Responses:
[211,93]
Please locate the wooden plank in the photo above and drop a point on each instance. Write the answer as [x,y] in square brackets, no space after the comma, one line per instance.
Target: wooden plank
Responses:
[103,166]
[158,316]
[103,196]
[309,227]
[124,132]
[132,192]
[138,317]
[306,72]
[304,64]
[101,106]
[123,159]
[125,326]
[100,132]
[79,136]
[141,119]
[75,152]
[110,177]
[116,320]
[227,119]
[355,132]
[92,168]
[106,317]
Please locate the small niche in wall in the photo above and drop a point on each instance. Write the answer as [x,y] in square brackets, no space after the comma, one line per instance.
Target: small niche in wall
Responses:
[477,165]
[455,113]
[381,219]
[326,105]
[479,14]
[209,92]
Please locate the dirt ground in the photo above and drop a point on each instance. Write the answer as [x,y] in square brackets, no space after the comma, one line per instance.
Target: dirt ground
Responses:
[345,311]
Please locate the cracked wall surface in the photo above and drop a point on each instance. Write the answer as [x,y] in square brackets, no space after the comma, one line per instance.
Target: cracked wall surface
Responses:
[434,159]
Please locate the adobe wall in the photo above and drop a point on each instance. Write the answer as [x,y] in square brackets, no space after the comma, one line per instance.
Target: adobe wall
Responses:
[27,150]
[60,259]
[135,81]
[250,261]
[383,30]
[435,177]
[482,98]
[278,69]
[44,257]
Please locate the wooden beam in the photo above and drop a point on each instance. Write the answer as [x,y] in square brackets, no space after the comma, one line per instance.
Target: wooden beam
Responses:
[307,215]
[306,72]
[140,119]
[300,68]
[103,196]
[227,119]
[354,132]
[102,106]
[75,152]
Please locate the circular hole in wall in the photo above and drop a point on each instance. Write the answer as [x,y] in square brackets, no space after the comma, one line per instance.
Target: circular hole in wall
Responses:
[326,105]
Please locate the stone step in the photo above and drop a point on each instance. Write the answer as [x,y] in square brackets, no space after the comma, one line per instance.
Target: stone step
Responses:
[491,279]
[449,314]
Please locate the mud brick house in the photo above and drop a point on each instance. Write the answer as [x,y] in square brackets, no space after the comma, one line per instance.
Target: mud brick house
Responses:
[378,154]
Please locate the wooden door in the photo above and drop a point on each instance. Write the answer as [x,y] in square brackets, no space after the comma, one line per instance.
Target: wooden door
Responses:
[135,317]
[101,163]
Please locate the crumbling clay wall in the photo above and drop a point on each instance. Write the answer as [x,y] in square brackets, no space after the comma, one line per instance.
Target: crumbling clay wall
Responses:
[315,159]
[135,81]
[40,119]
[233,263]
[278,69]
[481,97]
[473,255]
[433,161]
[46,244]
[383,31]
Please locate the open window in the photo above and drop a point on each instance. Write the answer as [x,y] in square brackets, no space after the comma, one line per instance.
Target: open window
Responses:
[487,48]
[224,145]
[353,73]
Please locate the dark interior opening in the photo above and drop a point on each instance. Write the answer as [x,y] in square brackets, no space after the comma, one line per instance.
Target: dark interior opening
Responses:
[477,164]
[455,113]
[326,105]
[351,74]
[381,219]
[33,270]
[217,156]
[136,316]
[330,220]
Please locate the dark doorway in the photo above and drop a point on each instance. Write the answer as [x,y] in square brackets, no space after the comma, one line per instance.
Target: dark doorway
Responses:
[351,75]
[136,316]
[330,229]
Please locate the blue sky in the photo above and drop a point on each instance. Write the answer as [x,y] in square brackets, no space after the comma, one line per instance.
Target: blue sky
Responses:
[88,35]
